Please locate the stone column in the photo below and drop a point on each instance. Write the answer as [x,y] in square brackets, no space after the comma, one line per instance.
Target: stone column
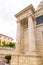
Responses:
[22,39]
[18,40]
[31,31]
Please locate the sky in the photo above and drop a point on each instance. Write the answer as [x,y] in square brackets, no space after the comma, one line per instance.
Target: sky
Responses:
[8,8]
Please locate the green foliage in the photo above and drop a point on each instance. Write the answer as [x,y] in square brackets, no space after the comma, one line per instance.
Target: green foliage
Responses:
[10,44]
[4,43]
[8,58]
[14,45]
[7,45]
[0,42]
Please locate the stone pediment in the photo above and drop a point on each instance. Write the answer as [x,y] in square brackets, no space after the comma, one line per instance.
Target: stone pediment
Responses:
[25,12]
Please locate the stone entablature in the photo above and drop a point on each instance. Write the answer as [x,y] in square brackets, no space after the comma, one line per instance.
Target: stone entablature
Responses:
[25,13]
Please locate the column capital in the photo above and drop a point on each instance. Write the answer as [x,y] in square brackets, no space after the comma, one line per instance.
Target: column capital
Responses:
[31,15]
[17,21]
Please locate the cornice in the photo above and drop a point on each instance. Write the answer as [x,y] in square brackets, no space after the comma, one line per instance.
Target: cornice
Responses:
[25,9]
[38,10]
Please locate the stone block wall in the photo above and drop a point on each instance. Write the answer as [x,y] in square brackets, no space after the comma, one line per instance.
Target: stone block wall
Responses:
[26,60]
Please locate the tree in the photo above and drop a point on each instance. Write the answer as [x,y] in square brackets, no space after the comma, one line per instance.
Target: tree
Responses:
[8,58]
[4,43]
[0,42]
[12,44]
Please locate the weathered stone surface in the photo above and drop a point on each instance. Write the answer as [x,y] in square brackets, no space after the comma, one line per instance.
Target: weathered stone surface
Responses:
[26,60]
[29,43]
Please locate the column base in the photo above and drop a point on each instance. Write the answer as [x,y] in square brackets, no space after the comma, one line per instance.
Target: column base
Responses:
[23,59]
[32,53]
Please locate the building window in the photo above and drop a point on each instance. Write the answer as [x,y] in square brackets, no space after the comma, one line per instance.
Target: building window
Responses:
[39,20]
[0,36]
[8,38]
[4,37]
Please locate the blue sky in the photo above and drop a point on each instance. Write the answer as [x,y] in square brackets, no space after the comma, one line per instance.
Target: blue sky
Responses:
[8,8]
